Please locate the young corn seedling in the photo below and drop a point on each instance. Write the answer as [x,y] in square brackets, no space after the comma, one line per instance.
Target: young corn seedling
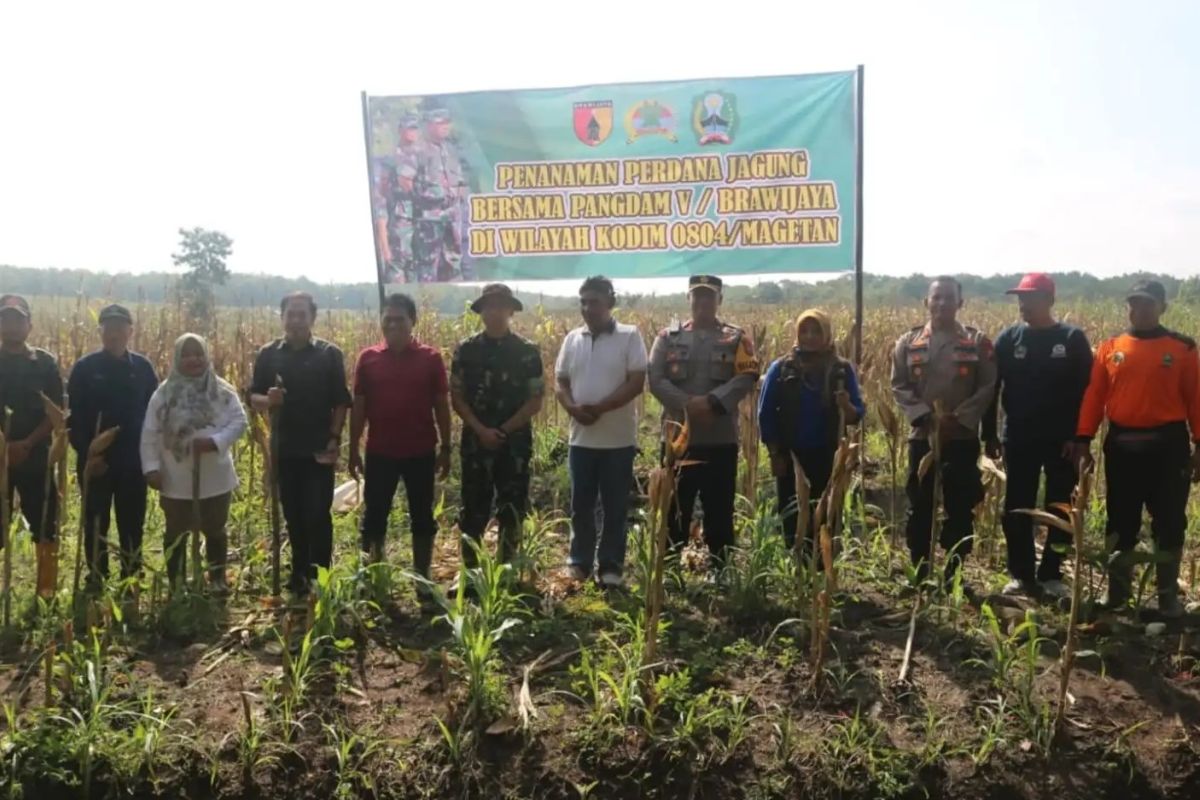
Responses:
[1074,525]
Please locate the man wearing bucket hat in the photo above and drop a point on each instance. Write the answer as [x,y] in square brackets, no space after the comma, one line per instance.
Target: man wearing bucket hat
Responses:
[496,387]
[1146,382]
[1042,368]
[27,373]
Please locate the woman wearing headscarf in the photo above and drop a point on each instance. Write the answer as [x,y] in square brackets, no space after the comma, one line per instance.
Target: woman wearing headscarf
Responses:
[193,420]
[806,396]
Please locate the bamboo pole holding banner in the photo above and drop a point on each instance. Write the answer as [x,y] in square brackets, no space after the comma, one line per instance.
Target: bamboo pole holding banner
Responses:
[379,265]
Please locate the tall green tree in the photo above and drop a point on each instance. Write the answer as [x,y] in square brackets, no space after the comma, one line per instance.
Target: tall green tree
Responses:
[202,255]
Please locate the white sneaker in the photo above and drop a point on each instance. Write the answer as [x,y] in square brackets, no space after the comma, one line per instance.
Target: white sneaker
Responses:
[1056,589]
[611,580]
[575,573]
[1017,587]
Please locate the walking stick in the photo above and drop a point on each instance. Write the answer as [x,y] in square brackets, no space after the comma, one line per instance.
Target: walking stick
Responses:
[197,573]
[273,477]
[5,513]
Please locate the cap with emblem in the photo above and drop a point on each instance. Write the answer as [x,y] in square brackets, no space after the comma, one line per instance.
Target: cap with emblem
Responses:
[14,302]
[1151,290]
[498,290]
[115,312]
[1034,282]
[704,282]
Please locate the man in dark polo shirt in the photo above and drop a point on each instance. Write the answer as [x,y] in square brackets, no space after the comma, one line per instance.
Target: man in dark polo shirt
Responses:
[111,388]
[400,391]
[26,373]
[1043,367]
[497,385]
[303,380]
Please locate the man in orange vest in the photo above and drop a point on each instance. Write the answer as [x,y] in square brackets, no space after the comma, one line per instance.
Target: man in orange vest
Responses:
[1146,381]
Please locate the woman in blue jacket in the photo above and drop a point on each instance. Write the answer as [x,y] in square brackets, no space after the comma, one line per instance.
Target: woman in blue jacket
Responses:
[798,413]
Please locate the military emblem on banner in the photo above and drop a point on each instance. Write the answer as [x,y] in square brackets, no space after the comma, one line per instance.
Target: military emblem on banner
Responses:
[714,117]
[593,121]
[650,118]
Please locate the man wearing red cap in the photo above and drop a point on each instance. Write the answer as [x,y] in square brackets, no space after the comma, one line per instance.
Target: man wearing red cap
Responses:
[1043,367]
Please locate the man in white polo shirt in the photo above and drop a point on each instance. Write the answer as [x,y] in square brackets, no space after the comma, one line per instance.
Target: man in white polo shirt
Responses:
[601,368]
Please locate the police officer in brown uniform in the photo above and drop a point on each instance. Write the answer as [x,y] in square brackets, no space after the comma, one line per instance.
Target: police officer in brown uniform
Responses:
[947,361]
[700,370]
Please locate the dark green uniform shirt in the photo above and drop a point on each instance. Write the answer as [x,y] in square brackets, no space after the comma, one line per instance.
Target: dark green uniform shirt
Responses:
[24,378]
[496,377]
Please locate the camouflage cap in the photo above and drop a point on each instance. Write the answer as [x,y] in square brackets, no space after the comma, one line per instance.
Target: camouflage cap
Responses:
[410,120]
[14,302]
[496,290]
[438,115]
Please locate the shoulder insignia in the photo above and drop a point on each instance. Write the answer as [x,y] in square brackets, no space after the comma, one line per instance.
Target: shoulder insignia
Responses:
[745,362]
[1187,341]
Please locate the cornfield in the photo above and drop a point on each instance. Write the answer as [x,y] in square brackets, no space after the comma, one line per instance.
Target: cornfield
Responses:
[775,681]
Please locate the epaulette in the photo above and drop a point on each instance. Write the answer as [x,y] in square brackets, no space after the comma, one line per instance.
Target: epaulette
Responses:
[1188,341]
[729,327]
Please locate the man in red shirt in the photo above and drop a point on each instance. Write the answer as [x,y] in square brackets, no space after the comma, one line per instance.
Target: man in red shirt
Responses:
[400,390]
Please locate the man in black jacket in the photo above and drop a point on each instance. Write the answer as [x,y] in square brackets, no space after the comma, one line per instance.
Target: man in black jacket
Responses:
[111,388]
[1043,368]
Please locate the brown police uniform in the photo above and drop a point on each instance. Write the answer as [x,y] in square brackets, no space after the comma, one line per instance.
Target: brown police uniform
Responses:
[958,368]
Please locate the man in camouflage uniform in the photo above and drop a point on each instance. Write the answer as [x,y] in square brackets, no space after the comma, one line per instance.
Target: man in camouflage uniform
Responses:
[496,386]
[438,187]
[394,203]
[27,373]
[700,370]
[947,361]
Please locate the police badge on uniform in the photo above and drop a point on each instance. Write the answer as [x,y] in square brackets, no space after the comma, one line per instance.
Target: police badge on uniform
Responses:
[1058,351]
[714,117]
[593,121]
[650,118]
[1019,351]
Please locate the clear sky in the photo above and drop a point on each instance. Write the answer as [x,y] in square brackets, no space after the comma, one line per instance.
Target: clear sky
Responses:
[999,136]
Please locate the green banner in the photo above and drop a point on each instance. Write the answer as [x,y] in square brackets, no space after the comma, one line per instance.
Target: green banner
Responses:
[646,180]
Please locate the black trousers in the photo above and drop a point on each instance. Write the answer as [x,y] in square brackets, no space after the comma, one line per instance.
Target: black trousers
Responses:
[305,494]
[714,481]
[383,475]
[123,490]
[817,464]
[500,475]
[1151,472]
[1024,463]
[962,489]
[29,482]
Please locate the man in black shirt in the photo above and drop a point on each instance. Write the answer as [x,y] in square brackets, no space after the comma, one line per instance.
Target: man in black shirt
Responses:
[26,373]
[1044,366]
[302,379]
[111,388]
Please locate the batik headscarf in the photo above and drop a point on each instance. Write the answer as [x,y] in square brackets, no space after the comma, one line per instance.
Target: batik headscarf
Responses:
[190,404]
[817,368]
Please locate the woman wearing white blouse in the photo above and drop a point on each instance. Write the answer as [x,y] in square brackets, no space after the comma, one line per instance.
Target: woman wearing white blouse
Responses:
[194,417]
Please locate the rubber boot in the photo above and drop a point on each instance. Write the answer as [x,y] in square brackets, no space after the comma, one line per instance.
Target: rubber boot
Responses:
[47,569]
[1167,575]
[216,552]
[1120,578]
